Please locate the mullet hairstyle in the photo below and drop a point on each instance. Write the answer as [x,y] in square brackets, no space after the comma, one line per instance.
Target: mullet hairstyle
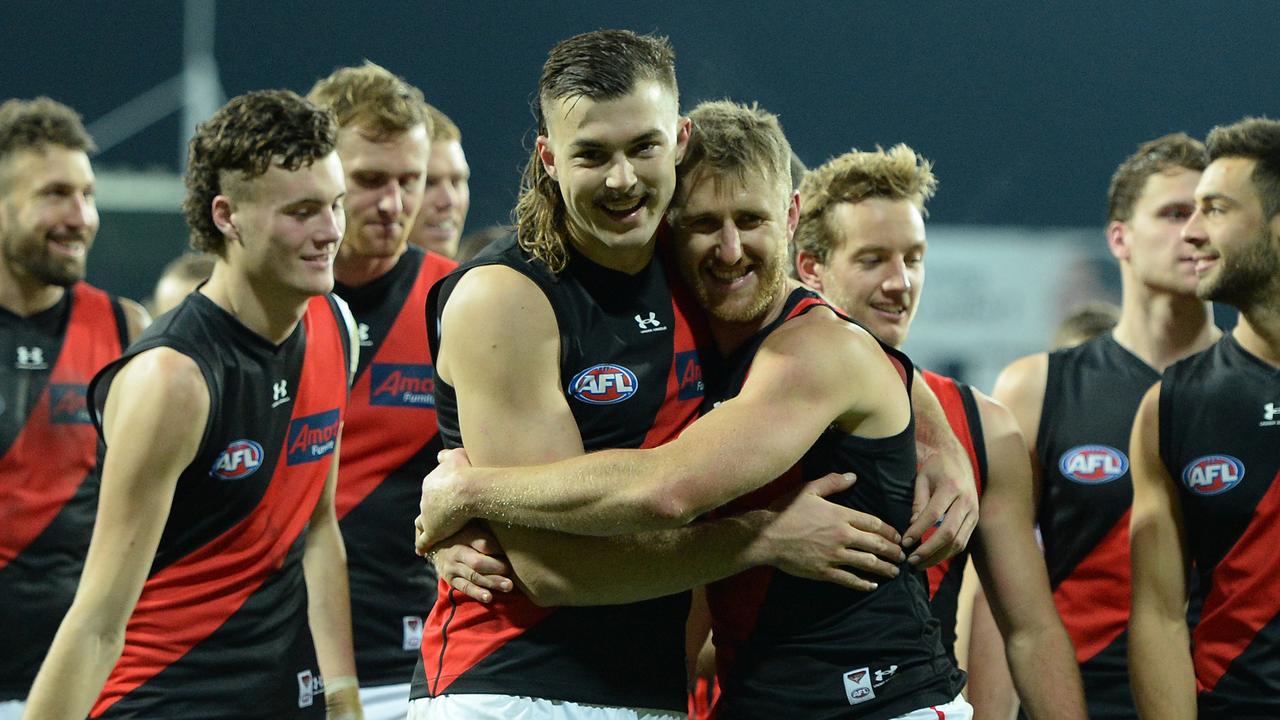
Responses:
[372,98]
[733,140]
[1257,139]
[601,65]
[244,139]
[1169,152]
[898,174]
[37,124]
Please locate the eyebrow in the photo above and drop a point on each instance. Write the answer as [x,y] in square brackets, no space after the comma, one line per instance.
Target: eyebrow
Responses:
[1216,196]
[589,144]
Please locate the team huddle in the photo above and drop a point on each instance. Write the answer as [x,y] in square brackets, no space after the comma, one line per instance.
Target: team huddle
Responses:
[658,447]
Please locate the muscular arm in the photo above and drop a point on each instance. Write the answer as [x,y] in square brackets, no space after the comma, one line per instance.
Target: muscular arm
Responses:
[1013,574]
[324,565]
[1160,668]
[803,379]
[500,352]
[154,417]
[1020,388]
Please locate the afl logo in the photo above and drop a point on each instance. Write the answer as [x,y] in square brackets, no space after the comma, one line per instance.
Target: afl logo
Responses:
[1093,464]
[1212,474]
[241,459]
[603,384]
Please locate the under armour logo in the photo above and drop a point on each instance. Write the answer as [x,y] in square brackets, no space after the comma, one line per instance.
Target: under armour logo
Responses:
[1270,415]
[882,676]
[31,358]
[363,330]
[279,393]
[649,324]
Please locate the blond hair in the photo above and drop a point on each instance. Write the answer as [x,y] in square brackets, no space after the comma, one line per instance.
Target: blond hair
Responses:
[737,140]
[373,99]
[442,128]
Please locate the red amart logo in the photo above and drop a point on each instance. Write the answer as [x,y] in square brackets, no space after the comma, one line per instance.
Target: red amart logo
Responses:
[1212,474]
[1093,464]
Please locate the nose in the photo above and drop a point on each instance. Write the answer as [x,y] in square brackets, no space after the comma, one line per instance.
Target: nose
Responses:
[729,246]
[446,195]
[83,211]
[1194,231]
[391,204]
[333,225]
[622,176]
[897,280]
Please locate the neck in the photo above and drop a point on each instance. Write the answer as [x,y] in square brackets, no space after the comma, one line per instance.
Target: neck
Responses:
[731,335]
[353,270]
[1259,331]
[25,296]
[627,260]
[1161,328]
[273,316]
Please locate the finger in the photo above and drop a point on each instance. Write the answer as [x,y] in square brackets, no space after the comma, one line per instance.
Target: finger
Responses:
[849,580]
[478,562]
[451,454]
[830,483]
[872,524]
[471,590]
[876,545]
[934,511]
[950,539]
[866,563]
[920,497]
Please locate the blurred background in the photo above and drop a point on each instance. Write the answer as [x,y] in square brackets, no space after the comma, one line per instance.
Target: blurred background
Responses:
[1025,109]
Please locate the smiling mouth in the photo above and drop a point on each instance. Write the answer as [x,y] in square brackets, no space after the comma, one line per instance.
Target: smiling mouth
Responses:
[894,311]
[623,208]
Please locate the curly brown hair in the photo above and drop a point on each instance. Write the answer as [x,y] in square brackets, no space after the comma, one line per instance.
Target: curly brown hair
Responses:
[243,139]
[896,174]
[34,124]
[599,65]
[1259,140]
[1169,152]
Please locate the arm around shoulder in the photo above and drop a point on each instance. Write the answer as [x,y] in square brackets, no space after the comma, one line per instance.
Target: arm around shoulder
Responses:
[155,416]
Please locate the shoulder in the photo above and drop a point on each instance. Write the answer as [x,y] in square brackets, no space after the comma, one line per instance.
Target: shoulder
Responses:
[136,317]
[1024,379]
[496,292]
[824,347]
[996,419]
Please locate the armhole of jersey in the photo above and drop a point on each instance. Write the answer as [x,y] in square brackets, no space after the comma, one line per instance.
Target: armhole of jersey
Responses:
[1052,381]
[122,322]
[101,384]
[1165,441]
[975,432]
[347,331]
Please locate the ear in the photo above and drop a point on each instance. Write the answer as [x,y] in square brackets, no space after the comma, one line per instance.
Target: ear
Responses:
[1116,241]
[684,127]
[223,210]
[793,215]
[543,147]
[809,270]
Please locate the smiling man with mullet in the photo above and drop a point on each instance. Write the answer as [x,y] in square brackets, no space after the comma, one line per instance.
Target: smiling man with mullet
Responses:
[215,584]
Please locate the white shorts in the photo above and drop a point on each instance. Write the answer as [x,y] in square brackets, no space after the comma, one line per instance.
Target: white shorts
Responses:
[957,709]
[384,702]
[511,707]
[12,709]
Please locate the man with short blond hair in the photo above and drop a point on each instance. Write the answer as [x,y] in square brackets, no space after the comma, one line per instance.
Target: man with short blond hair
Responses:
[389,441]
[448,191]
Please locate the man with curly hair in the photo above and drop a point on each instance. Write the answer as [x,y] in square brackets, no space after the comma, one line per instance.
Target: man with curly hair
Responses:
[219,456]
[56,331]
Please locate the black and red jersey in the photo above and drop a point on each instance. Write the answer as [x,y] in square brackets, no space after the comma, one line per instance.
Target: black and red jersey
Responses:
[631,374]
[220,629]
[1220,442]
[1092,393]
[48,467]
[945,578]
[790,647]
[389,442]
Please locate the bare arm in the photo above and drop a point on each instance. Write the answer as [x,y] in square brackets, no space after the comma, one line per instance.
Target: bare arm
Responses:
[990,690]
[802,380]
[1160,666]
[324,565]
[136,318]
[1013,574]
[154,417]
[945,487]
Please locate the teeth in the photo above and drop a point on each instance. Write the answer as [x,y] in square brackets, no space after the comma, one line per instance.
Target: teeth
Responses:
[727,275]
[630,204]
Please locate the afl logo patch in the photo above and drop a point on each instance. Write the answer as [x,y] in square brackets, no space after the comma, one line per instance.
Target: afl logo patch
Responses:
[603,384]
[1093,464]
[1212,474]
[241,459]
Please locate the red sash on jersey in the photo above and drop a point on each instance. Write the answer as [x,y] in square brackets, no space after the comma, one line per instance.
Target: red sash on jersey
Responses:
[187,601]
[368,453]
[58,445]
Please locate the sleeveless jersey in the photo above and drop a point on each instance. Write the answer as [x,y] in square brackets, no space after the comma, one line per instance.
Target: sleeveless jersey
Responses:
[1220,441]
[945,578]
[389,442]
[48,468]
[630,371]
[1091,396]
[220,629]
[790,647]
